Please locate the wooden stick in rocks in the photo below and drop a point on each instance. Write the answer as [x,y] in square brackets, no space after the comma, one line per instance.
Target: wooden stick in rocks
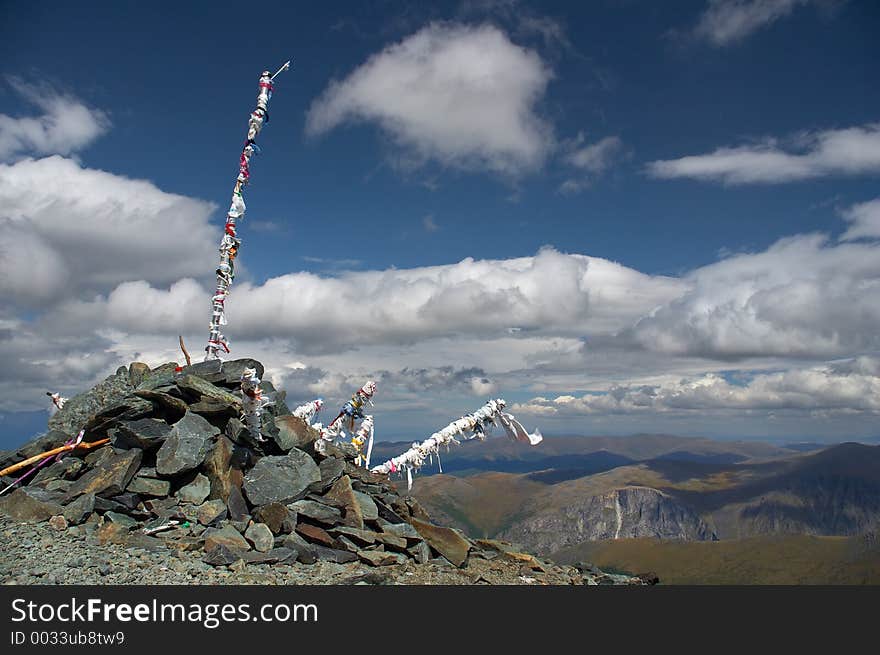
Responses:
[183,348]
[50,453]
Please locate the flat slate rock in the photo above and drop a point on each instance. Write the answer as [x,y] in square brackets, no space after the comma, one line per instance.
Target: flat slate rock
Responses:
[159,379]
[110,477]
[122,519]
[196,491]
[222,554]
[387,513]
[205,390]
[137,371]
[342,493]
[235,503]
[218,467]
[174,407]
[237,431]
[280,478]
[277,517]
[146,433]
[315,534]
[376,557]
[186,446]
[293,432]
[403,530]
[68,468]
[224,373]
[306,551]
[214,409]
[23,505]
[446,541]
[79,510]
[226,535]
[128,408]
[331,470]
[369,510]
[391,541]
[334,555]
[421,552]
[149,487]
[211,511]
[260,537]
[363,537]
[317,511]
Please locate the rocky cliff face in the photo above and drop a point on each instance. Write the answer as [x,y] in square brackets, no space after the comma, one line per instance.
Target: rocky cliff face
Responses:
[621,513]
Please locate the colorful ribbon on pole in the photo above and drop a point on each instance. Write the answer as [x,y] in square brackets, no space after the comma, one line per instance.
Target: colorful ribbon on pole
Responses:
[472,426]
[252,403]
[351,412]
[230,244]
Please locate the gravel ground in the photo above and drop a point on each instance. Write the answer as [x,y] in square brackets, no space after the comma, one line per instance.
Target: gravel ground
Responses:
[35,553]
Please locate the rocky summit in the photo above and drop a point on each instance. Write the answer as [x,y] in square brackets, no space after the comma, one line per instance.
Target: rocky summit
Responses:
[183,494]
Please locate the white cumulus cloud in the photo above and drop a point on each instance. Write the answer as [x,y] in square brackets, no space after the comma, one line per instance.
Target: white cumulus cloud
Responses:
[550,292]
[70,230]
[847,151]
[464,96]
[802,297]
[66,126]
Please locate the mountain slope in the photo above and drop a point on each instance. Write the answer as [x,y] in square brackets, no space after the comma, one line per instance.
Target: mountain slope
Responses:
[617,514]
[832,492]
[769,559]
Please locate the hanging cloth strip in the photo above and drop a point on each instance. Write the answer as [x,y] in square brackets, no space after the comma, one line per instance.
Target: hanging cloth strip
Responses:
[308,411]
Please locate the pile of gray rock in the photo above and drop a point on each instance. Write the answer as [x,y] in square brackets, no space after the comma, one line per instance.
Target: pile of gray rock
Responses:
[181,472]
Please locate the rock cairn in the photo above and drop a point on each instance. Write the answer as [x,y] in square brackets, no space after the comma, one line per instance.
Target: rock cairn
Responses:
[181,471]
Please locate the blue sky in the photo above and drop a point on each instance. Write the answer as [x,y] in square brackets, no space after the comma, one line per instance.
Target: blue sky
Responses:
[640,187]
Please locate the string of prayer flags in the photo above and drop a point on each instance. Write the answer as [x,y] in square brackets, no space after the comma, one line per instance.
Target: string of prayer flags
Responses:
[471,426]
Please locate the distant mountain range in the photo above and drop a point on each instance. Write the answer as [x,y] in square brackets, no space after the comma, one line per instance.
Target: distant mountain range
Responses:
[588,454]
[610,496]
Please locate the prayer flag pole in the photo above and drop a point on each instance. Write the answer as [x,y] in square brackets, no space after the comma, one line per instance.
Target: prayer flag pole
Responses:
[230,243]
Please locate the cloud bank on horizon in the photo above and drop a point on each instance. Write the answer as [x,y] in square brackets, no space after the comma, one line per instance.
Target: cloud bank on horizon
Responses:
[785,331]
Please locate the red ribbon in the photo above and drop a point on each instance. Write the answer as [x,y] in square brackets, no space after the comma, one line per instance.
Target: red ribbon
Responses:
[222,344]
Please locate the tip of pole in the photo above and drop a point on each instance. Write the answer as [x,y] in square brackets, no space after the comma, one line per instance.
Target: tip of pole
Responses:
[282,69]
